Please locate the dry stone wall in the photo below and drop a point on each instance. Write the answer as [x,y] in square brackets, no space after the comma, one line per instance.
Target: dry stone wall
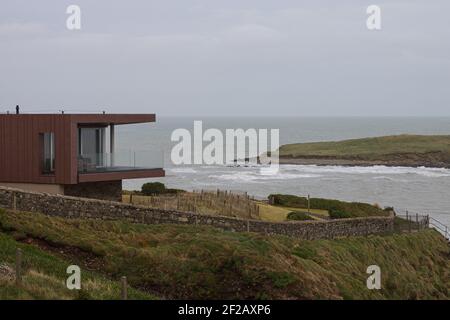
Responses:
[73,207]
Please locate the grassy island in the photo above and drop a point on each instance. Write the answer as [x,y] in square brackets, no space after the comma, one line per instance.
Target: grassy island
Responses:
[399,150]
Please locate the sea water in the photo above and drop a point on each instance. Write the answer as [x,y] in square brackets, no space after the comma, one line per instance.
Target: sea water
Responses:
[422,190]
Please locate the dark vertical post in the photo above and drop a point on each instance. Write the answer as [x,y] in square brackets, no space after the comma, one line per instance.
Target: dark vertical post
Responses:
[409,223]
[309,204]
[124,288]
[417,221]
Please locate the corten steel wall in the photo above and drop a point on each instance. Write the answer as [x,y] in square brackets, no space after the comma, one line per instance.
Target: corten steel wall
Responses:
[21,149]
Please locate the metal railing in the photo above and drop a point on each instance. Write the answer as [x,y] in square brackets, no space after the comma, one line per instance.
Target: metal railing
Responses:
[440,227]
[414,221]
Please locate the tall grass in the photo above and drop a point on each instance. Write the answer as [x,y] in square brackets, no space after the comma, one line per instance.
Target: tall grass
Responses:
[224,203]
[199,262]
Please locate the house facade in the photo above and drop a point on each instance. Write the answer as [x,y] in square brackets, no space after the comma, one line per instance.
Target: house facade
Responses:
[72,154]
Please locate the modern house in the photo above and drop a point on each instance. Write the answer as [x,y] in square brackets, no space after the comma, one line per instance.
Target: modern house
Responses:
[70,154]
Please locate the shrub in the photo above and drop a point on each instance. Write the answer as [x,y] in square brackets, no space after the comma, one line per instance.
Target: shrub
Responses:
[338,214]
[174,191]
[297,215]
[288,200]
[151,188]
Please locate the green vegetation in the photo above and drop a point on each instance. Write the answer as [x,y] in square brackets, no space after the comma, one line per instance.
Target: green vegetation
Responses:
[401,150]
[183,261]
[44,276]
[155,188]
[369,148]
[272,213]
[336,209]
[339,214]
[298,215]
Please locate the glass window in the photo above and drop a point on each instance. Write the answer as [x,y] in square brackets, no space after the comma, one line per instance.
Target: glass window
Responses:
[91,146]
[48,152]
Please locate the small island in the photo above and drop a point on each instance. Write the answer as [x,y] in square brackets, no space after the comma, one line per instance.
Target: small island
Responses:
[399,150]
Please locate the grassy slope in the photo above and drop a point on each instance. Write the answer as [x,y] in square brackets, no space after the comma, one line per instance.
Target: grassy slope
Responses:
[369,148]
[178,261]
[45,275]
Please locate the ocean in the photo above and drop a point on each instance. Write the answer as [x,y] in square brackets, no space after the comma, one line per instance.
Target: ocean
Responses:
[421,190]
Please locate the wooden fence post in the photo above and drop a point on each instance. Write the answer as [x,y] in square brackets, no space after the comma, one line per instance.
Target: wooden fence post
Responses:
[417,221]
[124,288]
[19,267]
[309,204]
[409,223]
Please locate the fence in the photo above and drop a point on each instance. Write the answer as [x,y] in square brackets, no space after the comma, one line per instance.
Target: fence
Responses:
[223,203]
[413,221]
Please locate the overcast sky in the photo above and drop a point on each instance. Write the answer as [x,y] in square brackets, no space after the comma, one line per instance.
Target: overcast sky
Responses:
[244,57]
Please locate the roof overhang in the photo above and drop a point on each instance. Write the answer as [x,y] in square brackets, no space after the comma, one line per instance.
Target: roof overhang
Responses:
[107,119]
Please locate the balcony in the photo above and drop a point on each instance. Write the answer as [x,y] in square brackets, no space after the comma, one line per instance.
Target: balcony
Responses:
[120,165]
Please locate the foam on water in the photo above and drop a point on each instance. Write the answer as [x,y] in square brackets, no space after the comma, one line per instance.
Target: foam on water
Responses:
[182,170]
[256,176]
[379,170]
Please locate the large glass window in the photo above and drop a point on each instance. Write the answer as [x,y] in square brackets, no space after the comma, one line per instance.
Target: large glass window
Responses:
[91,148]
[48,140]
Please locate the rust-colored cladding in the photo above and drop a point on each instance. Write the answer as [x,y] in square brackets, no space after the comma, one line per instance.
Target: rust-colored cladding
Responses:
[21,149]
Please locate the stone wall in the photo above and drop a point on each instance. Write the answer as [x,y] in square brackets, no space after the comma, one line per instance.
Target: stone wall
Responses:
[105,190]
[71,207]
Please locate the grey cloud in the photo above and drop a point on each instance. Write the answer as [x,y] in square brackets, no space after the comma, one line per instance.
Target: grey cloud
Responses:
[227,57]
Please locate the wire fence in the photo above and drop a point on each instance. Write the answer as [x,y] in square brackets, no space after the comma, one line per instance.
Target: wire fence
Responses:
[413,221]
[224,203]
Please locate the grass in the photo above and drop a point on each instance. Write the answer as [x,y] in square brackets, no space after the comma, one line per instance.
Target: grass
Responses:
[205,202]
[199,262]
[45,275]
[279,213]
[369,148]
[272,213]
[328,207]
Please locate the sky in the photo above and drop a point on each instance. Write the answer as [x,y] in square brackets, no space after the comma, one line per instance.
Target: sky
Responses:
[227,58]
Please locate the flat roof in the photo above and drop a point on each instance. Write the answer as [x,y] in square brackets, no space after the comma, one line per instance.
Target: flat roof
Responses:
[88,118]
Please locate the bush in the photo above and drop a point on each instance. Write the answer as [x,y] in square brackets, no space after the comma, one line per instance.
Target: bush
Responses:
[174,191]
[297,215]
[288,200]
[151,188]
[338,214]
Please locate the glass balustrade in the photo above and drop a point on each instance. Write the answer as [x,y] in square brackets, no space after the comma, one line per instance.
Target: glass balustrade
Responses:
[120,161]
